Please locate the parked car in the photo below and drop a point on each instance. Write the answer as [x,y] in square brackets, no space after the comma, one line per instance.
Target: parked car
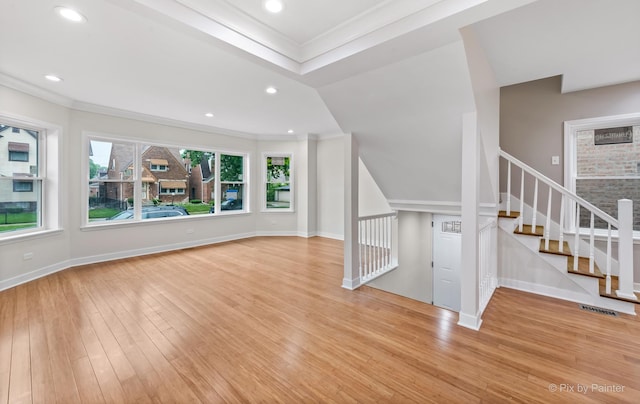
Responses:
[152,212]
[229,204]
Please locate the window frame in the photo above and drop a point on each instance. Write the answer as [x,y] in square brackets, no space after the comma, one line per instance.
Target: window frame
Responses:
[139,144]
[265,180]
[571,129]
[219,183]
[46,180]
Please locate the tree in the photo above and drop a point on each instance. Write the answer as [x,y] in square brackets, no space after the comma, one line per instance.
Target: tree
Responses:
[231,168]
[93,169]
[196,156]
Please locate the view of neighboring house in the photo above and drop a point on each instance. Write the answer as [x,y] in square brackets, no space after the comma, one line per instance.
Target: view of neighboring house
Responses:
[18,164]
[201,184]
[164,176]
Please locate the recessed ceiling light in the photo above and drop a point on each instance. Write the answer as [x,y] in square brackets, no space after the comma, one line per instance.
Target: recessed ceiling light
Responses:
[209,115]
[273,6]
[271,90]
[290,131]
[70,14]
[52,77]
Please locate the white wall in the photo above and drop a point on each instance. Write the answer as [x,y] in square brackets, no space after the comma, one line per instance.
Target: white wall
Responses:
[330,192]
[414,276]
[371,201]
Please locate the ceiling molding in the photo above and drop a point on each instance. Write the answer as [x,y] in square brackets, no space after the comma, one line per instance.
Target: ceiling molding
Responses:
[120,113]
[28,88]
[379,24]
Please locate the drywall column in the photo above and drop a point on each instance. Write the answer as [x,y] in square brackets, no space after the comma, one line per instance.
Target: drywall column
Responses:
[306,186]
[470,308]
[351,174]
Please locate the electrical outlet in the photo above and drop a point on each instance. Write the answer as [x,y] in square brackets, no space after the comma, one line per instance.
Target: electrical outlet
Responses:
[27,256]
[555,160]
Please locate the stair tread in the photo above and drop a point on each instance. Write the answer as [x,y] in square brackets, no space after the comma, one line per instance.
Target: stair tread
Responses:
[513,214]
[614,286]
[583,268]
[554,248]
[527,230]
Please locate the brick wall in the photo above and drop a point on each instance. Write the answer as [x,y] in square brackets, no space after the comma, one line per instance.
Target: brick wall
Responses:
[608,160]
[604,193]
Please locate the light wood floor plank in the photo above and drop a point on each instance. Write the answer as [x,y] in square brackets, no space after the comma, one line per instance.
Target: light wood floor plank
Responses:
[265,320]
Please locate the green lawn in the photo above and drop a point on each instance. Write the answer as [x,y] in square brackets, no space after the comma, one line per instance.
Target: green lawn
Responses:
[102,213]
[25,218]
[196,208]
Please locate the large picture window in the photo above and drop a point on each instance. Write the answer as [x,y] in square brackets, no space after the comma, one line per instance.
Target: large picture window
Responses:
[21,179]
[131,181]
[278,195]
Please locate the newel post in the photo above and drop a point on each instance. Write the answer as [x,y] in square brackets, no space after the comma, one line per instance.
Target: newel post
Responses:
[625,249]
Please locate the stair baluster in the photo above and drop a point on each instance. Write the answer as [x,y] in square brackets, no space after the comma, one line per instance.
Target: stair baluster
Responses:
[592,244]
[509,189]
[521,219]
[548,223]
[576,248]
[535,207]
[608,281]
[561,222]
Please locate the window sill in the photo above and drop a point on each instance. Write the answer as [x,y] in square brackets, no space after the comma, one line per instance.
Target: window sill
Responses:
[18,238]
[275,210]
[103,225]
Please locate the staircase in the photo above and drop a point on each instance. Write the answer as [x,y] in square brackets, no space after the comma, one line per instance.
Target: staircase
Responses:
[610,286]
[592,279]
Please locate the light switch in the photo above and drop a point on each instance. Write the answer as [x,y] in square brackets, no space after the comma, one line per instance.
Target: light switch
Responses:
[555,160]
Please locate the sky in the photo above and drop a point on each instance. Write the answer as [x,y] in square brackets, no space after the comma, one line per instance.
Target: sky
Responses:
[101,152]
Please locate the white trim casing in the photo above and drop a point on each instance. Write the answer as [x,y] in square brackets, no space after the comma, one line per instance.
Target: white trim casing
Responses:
[263,192]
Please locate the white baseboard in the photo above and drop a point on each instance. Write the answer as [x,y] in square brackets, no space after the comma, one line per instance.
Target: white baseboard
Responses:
[331,235]
[157,249]
[470,321]
[33,275]
[544,290]
[351,284]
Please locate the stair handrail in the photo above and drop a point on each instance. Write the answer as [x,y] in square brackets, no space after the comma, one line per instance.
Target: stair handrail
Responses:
[541,177]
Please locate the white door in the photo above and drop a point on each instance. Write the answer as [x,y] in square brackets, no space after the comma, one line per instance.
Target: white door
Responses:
[447,251]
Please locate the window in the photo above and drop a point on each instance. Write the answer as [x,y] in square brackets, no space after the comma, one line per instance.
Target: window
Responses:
[21,199]
[136,181]
[22,186]
[603,164]
[159,164]
[232,186]
[278,188]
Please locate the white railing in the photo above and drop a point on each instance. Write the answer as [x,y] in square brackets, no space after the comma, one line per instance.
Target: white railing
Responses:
[488,271]
[376,239]
[624,224]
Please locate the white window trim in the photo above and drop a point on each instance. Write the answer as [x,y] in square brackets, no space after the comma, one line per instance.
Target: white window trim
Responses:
[49,161]
[263,193]
[571,128]
[246,188]
[87,136]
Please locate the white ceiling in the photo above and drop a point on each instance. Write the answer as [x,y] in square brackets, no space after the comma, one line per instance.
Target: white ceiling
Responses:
[179,59]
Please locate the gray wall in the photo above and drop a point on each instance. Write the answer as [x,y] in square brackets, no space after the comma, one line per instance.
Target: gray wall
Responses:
[532,116]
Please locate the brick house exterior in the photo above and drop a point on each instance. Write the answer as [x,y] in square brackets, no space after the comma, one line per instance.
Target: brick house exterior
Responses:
[164,175]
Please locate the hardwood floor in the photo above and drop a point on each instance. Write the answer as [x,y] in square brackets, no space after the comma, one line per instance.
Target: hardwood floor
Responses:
[265,320]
